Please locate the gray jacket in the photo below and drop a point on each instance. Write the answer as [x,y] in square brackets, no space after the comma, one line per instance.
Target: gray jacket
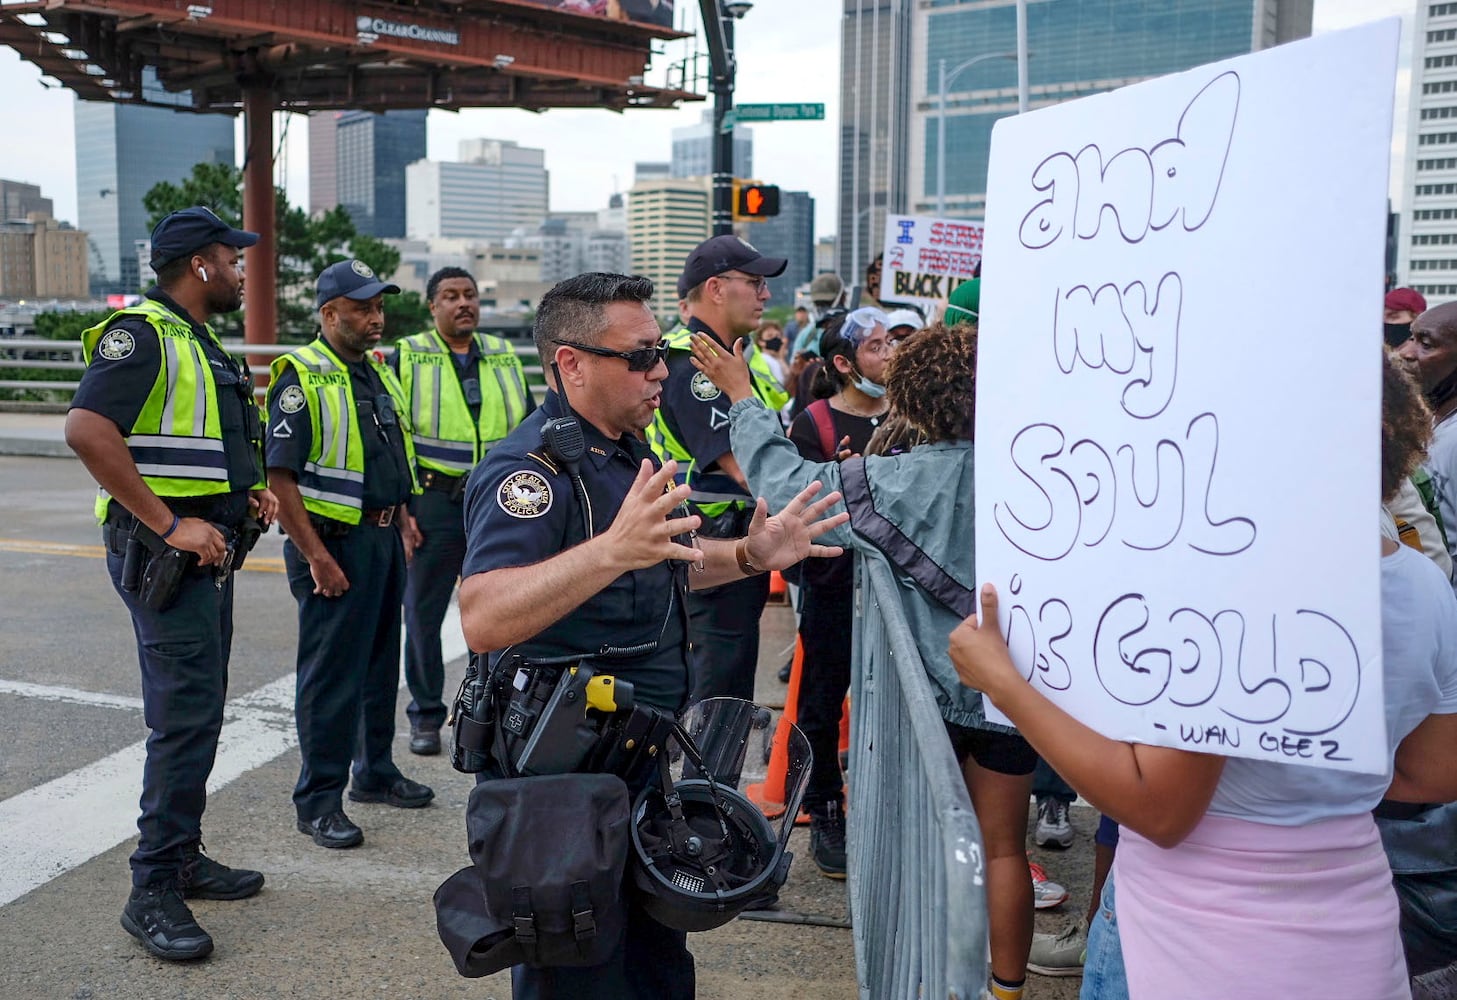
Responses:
[926,493]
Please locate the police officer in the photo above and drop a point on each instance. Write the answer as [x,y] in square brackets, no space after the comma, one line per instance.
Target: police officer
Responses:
[165,421]
[539,580]
[341,458]
[724,291]
[465,390]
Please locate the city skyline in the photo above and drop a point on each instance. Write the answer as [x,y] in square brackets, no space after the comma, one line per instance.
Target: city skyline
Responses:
[794,55]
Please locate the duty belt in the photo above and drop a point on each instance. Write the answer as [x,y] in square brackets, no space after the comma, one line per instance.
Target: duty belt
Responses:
[451,486]
[377,517]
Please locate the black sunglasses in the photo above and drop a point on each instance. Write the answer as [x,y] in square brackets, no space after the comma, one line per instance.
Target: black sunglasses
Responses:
[644,359]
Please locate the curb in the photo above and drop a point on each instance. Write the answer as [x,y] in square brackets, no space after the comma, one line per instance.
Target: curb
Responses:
[18,447]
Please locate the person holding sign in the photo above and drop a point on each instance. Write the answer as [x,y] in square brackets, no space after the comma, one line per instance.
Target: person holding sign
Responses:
[1221,861]
[915,509]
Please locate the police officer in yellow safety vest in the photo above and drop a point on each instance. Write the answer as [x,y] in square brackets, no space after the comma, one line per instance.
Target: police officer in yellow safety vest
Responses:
[343,464]
[165,421]
[723,289]
[464,391]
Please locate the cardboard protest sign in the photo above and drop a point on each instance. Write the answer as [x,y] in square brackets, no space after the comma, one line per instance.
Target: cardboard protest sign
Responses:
[926,258]
[1178,402]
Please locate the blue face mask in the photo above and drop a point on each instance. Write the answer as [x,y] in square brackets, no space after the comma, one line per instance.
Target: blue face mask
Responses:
[872,389]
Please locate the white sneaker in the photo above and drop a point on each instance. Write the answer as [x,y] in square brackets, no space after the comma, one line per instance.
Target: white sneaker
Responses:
[1045,893]
[1060,954]
[1053,828]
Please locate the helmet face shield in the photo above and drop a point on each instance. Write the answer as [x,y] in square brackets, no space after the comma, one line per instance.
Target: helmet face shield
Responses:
[703,852]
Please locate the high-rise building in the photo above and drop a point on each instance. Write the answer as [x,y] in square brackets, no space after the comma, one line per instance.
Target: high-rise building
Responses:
[791,235]
[371,154]
[651,170]
[122,151]
[18,200]
[1426,256]
[496,189]
[323,161]
[666,219]
[693,150]
[42,259]
[892,57]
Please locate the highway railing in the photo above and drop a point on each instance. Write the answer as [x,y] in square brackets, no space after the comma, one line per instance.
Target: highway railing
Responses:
[916,870]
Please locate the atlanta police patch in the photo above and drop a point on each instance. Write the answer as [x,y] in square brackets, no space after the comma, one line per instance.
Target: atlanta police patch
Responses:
[362,269]
[704,388]
[291,400]
[524,494]
[116,344]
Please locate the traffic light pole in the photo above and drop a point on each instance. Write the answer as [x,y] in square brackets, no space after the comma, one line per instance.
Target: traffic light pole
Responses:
[718,26]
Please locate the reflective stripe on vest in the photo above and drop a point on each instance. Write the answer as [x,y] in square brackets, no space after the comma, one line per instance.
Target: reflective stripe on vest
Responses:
[332,481]
[177,439]
[446,438]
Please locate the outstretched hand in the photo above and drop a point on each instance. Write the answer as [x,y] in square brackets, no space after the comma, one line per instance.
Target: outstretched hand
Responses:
[642,533]
[730,372]
[979,652]
[787,537]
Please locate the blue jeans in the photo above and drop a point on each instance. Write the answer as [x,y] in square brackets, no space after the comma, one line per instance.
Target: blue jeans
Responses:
[1104,977]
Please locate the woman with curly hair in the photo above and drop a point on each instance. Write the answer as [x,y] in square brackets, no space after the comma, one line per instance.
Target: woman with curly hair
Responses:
[919,498]
[1223,861]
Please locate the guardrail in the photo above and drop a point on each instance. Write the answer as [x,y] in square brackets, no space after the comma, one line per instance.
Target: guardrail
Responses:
[916,866]
[38,354]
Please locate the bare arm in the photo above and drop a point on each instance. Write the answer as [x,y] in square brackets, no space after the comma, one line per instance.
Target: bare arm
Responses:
[1426,762]
[99,445]
[1158,792]
[729,466]
[329,578]
[772,542]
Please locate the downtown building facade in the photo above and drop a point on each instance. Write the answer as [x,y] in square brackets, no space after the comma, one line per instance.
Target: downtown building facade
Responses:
[371,154]
[1426,257]
[693,150]
[122,151]
[791,235]
[496,191]
[893,52]
[666,219]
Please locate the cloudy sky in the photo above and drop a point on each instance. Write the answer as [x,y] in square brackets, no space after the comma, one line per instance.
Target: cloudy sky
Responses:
[789,51]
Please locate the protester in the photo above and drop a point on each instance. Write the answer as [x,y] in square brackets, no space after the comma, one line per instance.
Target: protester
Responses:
[769,339]
[1402,306]
[1221,861]
[924,498]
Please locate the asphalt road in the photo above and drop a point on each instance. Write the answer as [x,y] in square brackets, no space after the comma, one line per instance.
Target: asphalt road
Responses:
[329,924]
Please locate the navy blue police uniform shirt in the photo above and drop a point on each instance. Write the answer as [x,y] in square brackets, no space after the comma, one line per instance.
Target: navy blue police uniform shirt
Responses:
[119,379]
[697,414]
[290,435]
[520,510]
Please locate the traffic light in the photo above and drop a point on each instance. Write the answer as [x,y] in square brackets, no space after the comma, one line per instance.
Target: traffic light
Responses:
[754,201]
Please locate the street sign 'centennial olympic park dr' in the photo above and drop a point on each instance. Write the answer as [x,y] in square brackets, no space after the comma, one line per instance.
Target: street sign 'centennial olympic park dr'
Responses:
[773,113]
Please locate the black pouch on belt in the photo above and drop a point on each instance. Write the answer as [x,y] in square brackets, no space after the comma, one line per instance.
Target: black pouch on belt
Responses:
[249,531]
[162,578]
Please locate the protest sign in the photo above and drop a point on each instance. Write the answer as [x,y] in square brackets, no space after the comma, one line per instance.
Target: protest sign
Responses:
[926,258]
[1178,402]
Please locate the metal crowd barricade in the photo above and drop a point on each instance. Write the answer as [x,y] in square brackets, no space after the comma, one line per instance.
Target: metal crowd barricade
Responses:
[916,866]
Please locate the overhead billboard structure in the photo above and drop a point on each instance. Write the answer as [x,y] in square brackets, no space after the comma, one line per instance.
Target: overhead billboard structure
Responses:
[659,12]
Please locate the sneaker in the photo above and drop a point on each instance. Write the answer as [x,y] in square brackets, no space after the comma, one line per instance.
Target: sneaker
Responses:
[1045,893]
[1060,954]
[827,840]
[203,878]
[157,917]
[1053,828]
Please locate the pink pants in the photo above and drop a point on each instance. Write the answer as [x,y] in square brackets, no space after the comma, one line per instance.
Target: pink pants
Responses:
[1247,909]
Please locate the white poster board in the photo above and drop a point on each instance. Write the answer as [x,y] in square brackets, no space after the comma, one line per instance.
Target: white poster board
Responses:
[926,258]
[1178,402]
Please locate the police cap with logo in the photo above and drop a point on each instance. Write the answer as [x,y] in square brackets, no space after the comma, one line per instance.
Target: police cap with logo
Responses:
[350,279]
[714,256]
[188,231]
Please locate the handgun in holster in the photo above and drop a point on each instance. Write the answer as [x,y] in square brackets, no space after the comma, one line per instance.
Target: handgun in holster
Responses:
[249,531]
[162,578]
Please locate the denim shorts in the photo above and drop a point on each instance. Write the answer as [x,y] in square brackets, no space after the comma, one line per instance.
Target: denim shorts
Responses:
[1104,977]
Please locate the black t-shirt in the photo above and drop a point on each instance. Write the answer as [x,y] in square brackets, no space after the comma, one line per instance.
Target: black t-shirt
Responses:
[386,473]
[520,510]
[837,573]
[697,413]
[117,387]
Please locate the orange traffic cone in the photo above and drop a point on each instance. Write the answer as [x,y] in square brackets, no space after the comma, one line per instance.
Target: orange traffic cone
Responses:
[769,795]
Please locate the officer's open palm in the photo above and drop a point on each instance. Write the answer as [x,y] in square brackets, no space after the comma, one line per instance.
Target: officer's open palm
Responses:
[641,534]
[329,579]
[787,537]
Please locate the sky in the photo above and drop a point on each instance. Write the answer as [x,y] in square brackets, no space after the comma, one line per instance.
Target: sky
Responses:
[788,51]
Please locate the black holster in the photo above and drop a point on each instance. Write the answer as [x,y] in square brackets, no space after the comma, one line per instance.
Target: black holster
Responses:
[162,578]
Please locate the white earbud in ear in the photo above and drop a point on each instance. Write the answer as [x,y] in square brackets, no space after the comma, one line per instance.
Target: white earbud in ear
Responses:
[202,273]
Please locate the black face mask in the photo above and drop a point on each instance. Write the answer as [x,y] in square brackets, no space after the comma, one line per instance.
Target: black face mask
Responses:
[1442,391]
[773,343]
[1396,333]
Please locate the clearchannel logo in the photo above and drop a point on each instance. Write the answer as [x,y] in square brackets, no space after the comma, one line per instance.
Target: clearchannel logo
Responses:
[370,28]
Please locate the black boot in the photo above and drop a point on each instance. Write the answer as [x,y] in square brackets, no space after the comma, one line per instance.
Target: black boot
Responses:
[827,839]
[203,878]
[157,917]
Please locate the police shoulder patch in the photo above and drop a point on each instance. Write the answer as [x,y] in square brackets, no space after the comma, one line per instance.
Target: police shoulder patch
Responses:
[291,400]
[116,344]
[524,494]
[704,388]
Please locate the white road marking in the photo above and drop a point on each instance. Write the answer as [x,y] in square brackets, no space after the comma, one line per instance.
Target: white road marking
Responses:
[48,830]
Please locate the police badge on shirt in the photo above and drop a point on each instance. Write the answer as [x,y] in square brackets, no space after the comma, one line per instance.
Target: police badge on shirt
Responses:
[524,494]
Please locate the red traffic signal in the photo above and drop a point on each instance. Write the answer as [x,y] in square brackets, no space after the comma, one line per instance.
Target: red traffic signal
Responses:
[756,201]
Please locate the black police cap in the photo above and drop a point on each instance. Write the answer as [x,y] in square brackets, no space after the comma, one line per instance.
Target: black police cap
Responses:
[351,279]
[714,256]
[188,231]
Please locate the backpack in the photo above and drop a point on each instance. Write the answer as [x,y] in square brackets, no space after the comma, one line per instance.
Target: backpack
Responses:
[545,887]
